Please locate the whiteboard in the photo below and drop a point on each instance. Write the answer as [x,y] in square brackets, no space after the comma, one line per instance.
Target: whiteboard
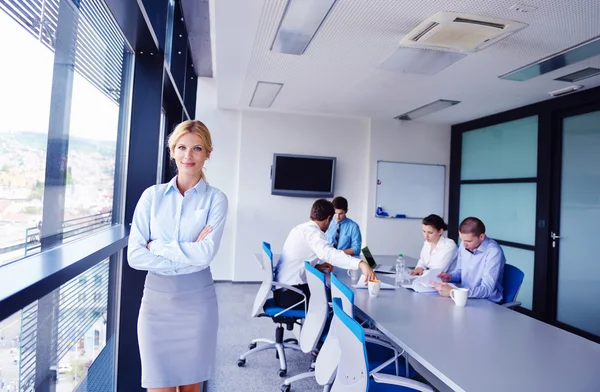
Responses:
[411,189]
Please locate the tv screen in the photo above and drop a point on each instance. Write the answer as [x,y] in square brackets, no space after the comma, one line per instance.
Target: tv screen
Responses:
[302,175]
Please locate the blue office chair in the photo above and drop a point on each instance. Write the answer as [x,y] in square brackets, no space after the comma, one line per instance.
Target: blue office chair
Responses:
[315,323]
[379,347]
[352,372]
[264,306]
[511,284]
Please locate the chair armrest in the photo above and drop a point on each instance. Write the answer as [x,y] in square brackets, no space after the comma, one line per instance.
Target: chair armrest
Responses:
[401,381]
[288,287]
[294,289]
[385,344]
[511,305]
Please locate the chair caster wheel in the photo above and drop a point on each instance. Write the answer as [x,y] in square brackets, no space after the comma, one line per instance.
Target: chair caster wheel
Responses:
[251,346]
[282,373]
[285,388]
[241,362]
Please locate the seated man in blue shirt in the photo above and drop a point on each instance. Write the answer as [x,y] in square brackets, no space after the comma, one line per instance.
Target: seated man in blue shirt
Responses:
[343,233]
[480,264]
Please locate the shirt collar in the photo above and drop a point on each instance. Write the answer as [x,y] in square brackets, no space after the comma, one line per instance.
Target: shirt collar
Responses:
[200,187]
[483,246]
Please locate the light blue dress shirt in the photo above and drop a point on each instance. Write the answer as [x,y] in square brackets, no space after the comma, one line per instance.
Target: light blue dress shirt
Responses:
[173,222]
[481,271]
[349,235]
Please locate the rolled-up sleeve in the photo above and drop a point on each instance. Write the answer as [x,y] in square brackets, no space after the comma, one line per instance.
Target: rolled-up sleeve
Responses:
[198,253]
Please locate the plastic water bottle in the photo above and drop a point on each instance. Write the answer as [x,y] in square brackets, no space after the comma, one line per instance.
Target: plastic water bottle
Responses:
[400,269]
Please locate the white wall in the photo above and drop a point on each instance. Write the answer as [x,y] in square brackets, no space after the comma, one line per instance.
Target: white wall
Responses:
[264,217]
[244,143]
[393,140]
[222,168]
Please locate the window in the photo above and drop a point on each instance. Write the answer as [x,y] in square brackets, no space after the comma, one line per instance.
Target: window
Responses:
[58,135]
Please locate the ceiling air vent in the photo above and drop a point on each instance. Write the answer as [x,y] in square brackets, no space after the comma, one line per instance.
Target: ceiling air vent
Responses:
[460,32]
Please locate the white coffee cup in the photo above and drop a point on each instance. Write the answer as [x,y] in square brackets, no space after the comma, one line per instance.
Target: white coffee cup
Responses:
[354,274]
[374,287]
[459,296]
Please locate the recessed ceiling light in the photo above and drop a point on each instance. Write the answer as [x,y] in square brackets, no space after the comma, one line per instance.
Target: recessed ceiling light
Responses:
[300,22]
[427,109]
[264,94]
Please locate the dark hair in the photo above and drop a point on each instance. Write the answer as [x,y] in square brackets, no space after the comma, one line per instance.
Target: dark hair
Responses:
[472,225]
[435,221]
[340,203]
[321,210]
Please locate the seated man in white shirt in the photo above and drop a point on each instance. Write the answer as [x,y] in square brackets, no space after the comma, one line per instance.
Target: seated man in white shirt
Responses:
[307,242]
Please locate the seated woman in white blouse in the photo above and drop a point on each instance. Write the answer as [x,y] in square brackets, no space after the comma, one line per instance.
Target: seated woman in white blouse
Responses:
[438,251]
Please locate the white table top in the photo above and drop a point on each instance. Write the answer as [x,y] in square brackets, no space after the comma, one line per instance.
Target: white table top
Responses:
[483,346]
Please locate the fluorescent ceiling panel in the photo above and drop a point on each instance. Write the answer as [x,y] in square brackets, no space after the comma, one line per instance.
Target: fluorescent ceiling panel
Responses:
[427,109]
[419,61]
[579,75]
[569,56]
[264,94]
[300,22]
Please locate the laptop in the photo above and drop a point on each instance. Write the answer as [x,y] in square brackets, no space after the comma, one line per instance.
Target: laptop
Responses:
[384,269]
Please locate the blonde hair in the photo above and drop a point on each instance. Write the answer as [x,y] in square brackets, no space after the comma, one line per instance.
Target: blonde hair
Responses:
[190,126]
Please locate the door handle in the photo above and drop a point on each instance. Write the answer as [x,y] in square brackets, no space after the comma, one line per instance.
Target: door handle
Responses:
[554,237]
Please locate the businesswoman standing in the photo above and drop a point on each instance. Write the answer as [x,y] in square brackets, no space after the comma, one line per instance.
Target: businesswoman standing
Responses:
[175,234]
[438,251]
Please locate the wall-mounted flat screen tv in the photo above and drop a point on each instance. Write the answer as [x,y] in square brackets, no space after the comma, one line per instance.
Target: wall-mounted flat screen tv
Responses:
[302,175]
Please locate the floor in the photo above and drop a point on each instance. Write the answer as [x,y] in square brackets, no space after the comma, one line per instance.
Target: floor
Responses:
[236,329]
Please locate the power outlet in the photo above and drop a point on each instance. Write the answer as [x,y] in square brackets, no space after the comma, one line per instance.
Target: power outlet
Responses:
[522,8]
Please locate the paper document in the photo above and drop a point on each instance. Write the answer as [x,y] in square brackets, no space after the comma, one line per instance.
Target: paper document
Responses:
[421,284]
[361,284]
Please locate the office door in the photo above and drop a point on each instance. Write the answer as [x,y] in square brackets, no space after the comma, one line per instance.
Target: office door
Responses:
[575,228]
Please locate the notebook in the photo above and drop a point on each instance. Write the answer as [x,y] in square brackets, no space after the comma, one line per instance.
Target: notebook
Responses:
[421,283]
[384,269]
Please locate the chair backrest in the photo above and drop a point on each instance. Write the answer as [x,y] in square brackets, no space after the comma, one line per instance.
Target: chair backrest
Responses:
[345,293]
[511,282]
[318,310]
[329,355]
[352,372]
[264,292]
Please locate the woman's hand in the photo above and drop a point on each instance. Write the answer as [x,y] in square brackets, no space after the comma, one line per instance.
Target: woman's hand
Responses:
[204,233]
[417,271]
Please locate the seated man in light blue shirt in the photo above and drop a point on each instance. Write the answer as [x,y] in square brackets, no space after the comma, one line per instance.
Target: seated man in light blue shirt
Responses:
[480,264]
[343,233]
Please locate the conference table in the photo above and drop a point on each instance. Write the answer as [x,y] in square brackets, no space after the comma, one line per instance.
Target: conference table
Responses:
[482,347]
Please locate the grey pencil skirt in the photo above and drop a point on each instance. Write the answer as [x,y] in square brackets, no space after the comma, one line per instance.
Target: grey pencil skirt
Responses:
[177,329]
